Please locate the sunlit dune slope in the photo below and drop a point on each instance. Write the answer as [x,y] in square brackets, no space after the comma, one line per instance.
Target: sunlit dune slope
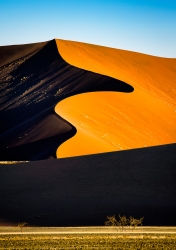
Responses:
[110,121]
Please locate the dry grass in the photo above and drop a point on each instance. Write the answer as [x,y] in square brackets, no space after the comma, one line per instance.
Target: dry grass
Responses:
[91,241]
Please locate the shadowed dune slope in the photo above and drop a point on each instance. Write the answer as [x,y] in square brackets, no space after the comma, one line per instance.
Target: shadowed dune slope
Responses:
[84,190]
[111,121]
[31,86]
[12,53]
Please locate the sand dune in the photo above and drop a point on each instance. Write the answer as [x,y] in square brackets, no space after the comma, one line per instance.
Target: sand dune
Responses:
[29,125]
[105,100]
[110,121]
[31,87]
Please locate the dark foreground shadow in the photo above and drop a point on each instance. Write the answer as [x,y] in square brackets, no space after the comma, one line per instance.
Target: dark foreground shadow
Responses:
[36,82]
[82,191]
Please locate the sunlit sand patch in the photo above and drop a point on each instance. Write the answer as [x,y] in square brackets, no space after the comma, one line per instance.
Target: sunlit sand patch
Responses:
[109,121]
[153,74]
[112,121]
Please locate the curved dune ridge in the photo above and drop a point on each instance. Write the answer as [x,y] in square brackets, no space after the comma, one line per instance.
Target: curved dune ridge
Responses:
[105,100]
[111,121]
[33,81]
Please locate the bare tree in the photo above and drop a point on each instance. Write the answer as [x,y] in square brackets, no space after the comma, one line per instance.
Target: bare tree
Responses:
[123,222]
[111,221]
[135,222]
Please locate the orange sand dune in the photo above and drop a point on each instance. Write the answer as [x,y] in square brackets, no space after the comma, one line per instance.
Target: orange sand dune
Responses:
[111,121]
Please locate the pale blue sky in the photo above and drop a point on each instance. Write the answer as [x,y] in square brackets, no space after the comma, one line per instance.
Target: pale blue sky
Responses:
[137,25]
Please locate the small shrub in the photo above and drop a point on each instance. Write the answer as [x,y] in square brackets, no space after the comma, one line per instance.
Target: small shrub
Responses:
[123,222]
[21,225]
[111,221]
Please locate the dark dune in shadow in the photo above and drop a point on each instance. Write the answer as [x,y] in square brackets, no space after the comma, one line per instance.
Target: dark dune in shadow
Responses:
[31,86]
[83,190]
[12,53]
[39,149]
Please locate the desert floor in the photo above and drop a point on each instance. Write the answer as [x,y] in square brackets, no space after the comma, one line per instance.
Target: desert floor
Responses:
[87,238]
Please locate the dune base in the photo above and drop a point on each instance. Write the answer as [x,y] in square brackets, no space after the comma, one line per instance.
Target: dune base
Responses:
[81,191]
